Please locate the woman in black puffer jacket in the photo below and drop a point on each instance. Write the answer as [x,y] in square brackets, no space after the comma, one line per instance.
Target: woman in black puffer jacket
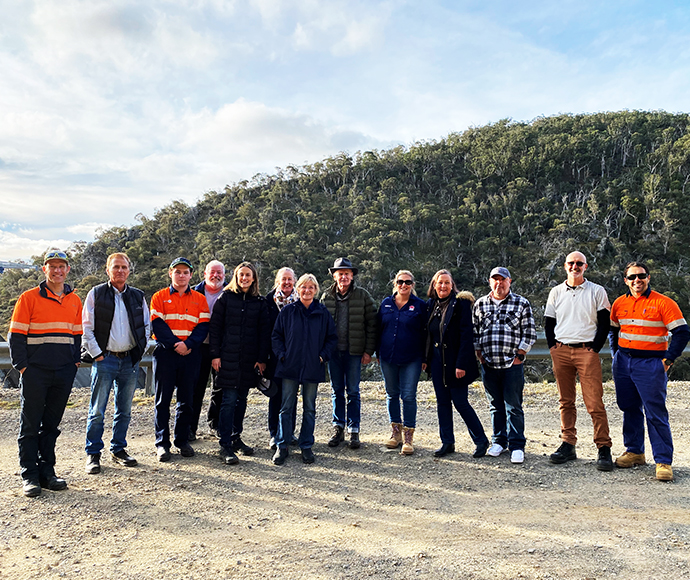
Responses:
[240,343]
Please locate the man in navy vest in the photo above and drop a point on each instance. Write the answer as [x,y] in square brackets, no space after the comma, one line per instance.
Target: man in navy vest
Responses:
[116,329]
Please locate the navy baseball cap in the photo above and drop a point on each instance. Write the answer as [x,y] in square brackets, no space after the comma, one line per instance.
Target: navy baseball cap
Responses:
[181,261]
[500,271]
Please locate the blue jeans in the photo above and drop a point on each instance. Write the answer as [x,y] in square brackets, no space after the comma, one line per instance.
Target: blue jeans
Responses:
[641,384]
[345,371]
[104,373]
[504,392]
[401,383]
[286,421]
[44,395]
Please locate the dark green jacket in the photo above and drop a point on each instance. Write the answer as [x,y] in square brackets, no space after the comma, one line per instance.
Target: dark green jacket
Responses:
[362,319]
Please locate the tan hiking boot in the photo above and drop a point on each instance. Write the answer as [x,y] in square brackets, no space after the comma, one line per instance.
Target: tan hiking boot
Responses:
[629,459]
[664,472]
[408,434]
[396,437]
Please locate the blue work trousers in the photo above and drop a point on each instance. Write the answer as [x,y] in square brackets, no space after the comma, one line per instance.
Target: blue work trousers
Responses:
[172,371]
[641,385]
[401,383]
[104,373]
[504,392]
[345,371]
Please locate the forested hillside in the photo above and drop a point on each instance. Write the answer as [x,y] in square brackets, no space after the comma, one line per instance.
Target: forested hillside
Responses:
[522,195]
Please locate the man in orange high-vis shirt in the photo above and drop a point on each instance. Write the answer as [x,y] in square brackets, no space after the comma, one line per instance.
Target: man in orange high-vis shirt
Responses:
[640,323]
[45,344]
[179,321]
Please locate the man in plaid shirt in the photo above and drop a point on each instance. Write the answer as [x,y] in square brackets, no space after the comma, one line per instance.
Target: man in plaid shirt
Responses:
[504,332]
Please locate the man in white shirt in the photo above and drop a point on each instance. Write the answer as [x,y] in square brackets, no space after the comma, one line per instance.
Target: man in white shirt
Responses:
[576,323]
[116,330]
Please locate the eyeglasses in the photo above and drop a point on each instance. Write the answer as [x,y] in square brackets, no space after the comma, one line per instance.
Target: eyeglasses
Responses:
[578,264]
[405,282]
[642,276]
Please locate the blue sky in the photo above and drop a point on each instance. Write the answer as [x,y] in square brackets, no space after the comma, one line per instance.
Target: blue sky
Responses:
[111,109]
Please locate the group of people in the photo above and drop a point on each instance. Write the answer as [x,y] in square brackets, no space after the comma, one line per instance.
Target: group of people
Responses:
[284,342]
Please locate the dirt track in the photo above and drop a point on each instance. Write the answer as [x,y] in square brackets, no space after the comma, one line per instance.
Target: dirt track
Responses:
[370,513]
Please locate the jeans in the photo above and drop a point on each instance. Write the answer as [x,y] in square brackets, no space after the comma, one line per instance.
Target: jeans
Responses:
[287,412]
[504,392]
[401,383]
[275,403]
[446,399]
[568,364]
[231,416]
[345,371]
[641,384]
[104,373]
[44,395]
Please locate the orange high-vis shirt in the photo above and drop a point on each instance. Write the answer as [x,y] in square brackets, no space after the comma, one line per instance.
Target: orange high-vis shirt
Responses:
[181,312]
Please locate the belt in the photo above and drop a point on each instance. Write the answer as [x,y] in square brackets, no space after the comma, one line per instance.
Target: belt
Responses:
[123,354]
[579,345]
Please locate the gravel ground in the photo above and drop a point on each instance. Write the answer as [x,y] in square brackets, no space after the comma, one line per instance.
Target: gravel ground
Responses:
[369,513]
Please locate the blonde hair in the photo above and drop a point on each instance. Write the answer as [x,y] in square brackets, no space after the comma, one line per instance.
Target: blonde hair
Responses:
[304,278]
[406,273]
[234,285]
[280,273]
[122,255]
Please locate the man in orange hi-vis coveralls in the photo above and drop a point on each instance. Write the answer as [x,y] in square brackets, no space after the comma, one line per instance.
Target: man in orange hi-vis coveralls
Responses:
[45,344]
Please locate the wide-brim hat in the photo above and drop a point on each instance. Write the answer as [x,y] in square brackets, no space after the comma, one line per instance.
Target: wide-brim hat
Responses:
[343,264]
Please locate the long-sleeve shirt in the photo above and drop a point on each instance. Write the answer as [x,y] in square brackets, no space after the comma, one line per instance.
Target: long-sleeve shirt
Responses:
[179,317]
[503,328]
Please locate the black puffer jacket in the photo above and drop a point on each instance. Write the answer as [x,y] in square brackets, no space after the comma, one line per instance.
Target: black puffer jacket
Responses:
[240,335]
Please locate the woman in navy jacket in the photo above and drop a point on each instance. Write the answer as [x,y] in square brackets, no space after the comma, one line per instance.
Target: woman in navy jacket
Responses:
[451,360]
[402,338]
[304,337]
[239,343]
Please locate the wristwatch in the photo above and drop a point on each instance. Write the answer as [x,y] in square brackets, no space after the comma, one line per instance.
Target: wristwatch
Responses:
[520,357]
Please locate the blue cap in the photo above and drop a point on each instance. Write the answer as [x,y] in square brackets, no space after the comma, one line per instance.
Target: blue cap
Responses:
[500,271]
[182,261]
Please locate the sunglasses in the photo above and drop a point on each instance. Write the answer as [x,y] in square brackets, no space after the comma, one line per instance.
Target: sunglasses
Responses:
[55,255]
[642,276]
[404,282]
[578,264]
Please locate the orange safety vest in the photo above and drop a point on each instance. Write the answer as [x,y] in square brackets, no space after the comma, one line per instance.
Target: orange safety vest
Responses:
[181,312]
[645,321]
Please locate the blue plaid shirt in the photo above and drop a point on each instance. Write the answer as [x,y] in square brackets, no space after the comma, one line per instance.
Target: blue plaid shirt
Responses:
[500,330]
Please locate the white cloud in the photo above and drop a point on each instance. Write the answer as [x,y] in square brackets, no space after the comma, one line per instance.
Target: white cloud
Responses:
[14,247]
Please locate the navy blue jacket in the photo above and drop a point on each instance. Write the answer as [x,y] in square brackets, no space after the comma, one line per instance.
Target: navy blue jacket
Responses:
[457,349]
[302,336]
[402,332]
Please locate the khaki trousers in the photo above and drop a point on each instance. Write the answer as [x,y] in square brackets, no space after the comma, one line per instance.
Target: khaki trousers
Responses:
[568,364]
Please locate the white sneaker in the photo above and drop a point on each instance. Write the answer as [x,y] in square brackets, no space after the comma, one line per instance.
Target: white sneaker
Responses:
[517,456]
[495,450]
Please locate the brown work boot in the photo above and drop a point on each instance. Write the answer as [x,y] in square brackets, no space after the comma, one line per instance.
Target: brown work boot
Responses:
[396,437]
[408,434]
[629,459]
[664,472]
[337,437]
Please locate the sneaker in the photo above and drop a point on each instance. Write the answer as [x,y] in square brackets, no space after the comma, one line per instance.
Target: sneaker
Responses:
[629,459]
[229,458]
[664,472]
[124,458]
[272,444]
[242,447]
[31,487]
[604,461]
[337,437]
[517,456]
[307,455]
[187,450]
[354,441]
[566,452]
[280,456]
[163,454]
[495,450]
[93,464]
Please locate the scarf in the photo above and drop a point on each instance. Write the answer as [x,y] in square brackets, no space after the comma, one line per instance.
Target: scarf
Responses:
[281,300]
